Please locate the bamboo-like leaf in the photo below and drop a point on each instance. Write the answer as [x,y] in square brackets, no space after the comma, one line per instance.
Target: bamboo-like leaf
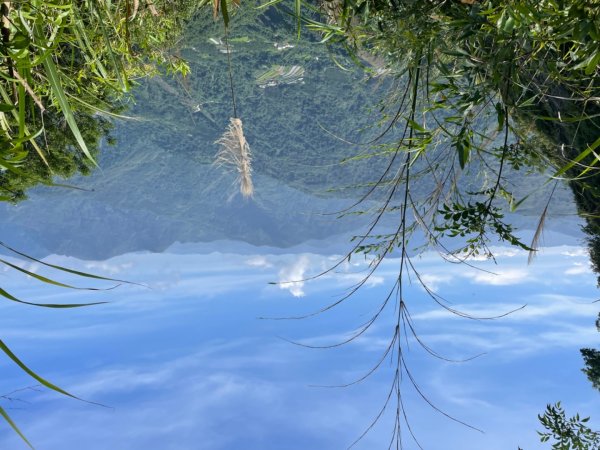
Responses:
[119,70]
[47,280]
[579,158]
[8,296]
[22,111]
[31,373]
[65,269]
[103,111]
[224,12]
[268,4]
[14,426]
[90,54]
[58,91]
[298,12]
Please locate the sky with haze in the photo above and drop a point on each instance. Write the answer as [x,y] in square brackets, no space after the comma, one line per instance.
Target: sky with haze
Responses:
[185,362]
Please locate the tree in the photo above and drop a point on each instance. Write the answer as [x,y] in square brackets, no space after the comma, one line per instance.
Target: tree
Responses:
[591,359]
[568,434]
[480,88]
[64,65]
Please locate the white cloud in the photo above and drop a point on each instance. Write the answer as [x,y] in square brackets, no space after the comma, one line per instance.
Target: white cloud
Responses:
[536,307]
[434,281]
[500,278]
[578,269]
[291,276]
[259,261]
[355,278]
[108,268]
[575,252]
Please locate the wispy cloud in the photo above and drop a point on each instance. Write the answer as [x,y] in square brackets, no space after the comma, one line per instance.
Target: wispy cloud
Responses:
[259,261]
[291,276]
[108,268]
[500,277]
[535,307]
[435,281]
[578,269]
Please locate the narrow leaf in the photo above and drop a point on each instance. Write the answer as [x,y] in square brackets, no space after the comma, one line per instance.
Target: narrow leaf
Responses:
[58,91]
[31,373]
[224,12]
[14,426]
[64,269]
[5,294]
[44,279]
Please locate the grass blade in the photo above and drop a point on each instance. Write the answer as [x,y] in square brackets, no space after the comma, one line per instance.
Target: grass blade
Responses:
[298,12]
[8,296]
[578,159]
[65,269]
[31,373]
[14,426]
[49,280]
[225,13]
[57,89]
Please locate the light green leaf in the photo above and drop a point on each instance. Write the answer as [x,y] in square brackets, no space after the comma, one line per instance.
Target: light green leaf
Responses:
[14,426]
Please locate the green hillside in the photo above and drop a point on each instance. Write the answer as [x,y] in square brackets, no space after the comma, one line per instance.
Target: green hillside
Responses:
[156,185]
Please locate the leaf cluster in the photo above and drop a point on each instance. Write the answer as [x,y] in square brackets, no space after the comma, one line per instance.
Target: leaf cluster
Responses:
[472,220]
[567,433]
[63,65]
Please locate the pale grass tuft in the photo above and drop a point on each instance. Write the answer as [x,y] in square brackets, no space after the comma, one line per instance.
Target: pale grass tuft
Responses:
[537,236]
[235,154]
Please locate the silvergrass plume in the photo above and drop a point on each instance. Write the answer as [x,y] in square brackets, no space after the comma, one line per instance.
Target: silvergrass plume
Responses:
[235,154]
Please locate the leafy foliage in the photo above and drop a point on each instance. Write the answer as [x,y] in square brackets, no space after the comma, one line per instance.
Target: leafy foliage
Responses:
[567,433]
[471,220]
[591,359]
[480,86]
[63,63]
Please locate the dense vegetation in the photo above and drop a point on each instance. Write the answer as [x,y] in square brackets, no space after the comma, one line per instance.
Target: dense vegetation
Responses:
[475,89]
[64,65]
[484,85]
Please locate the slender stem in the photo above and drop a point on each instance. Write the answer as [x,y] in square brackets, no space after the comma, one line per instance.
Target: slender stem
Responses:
[230,71]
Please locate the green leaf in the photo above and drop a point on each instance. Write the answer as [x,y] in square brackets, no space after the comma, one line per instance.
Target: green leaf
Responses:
[31,373]
[500,115]
[5,294]
[20,41]
[415,126]
[14,426]
[225,13]
[268,4]
[64,269]
[514,206]
[298,13]
[58,91]
[5,107]
[593,63]
[509,25]
[579,157]
[44,279]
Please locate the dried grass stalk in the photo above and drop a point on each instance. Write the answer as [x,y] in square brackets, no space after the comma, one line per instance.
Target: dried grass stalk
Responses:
[235,154]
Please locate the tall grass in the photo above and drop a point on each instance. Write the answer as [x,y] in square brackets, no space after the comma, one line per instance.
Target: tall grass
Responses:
[235,154]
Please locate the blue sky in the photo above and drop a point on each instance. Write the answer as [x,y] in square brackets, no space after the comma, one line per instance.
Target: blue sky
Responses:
[185,363]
